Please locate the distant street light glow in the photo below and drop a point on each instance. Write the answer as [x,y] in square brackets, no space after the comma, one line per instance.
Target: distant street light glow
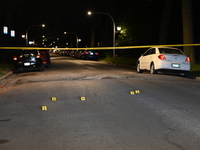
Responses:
[89,13]
[119,28]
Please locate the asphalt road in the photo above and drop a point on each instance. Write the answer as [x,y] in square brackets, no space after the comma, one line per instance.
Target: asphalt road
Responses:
[162,114]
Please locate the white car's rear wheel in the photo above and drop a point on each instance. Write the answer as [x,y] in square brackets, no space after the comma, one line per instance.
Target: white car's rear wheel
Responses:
[138,68]
[152,69]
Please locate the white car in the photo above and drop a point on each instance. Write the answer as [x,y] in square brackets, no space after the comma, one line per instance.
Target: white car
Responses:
[164,59]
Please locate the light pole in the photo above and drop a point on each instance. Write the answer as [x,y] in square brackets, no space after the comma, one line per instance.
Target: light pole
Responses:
[75,36]
[43,25]
[102,13]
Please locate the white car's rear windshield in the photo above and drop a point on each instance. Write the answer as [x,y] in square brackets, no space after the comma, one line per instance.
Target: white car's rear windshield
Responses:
[170,51]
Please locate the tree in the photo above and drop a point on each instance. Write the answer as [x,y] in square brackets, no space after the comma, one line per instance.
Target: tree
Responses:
[165,22]
[188,28]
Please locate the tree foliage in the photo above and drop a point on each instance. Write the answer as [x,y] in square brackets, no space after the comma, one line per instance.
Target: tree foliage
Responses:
[152,22]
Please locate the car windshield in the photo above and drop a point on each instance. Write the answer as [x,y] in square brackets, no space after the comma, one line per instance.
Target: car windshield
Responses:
[170,51]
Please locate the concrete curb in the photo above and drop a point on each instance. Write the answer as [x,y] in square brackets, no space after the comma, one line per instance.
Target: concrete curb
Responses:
[5,76]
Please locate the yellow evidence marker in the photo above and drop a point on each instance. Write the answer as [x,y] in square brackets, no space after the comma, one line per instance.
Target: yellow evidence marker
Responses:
[132,92]
[82,98]
[137,91]
[53,98]
[44,108]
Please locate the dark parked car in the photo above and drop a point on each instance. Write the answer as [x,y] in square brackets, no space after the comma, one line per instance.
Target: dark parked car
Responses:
[89,54]
[31,59]
[78,54]
[45,58]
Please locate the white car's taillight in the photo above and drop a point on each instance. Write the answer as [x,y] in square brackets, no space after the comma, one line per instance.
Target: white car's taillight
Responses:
[162,57]
[187,59]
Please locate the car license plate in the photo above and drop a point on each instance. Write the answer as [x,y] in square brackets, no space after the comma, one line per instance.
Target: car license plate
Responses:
[176,65]
[27,64]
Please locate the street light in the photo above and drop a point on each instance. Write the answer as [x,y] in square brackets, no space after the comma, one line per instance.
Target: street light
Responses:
[77,40]
[119,28]
[43,25]
[102,13]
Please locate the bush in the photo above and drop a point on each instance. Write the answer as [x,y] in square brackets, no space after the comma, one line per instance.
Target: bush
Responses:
[128,61]
[195,70]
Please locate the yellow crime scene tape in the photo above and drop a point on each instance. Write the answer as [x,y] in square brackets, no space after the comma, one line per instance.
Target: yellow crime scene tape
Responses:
[101,48]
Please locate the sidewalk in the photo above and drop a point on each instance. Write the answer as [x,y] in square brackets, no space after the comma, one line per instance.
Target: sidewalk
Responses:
[5,76]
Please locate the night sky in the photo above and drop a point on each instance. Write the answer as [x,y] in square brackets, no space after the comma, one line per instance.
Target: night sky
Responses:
[58,16]
[71,16]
